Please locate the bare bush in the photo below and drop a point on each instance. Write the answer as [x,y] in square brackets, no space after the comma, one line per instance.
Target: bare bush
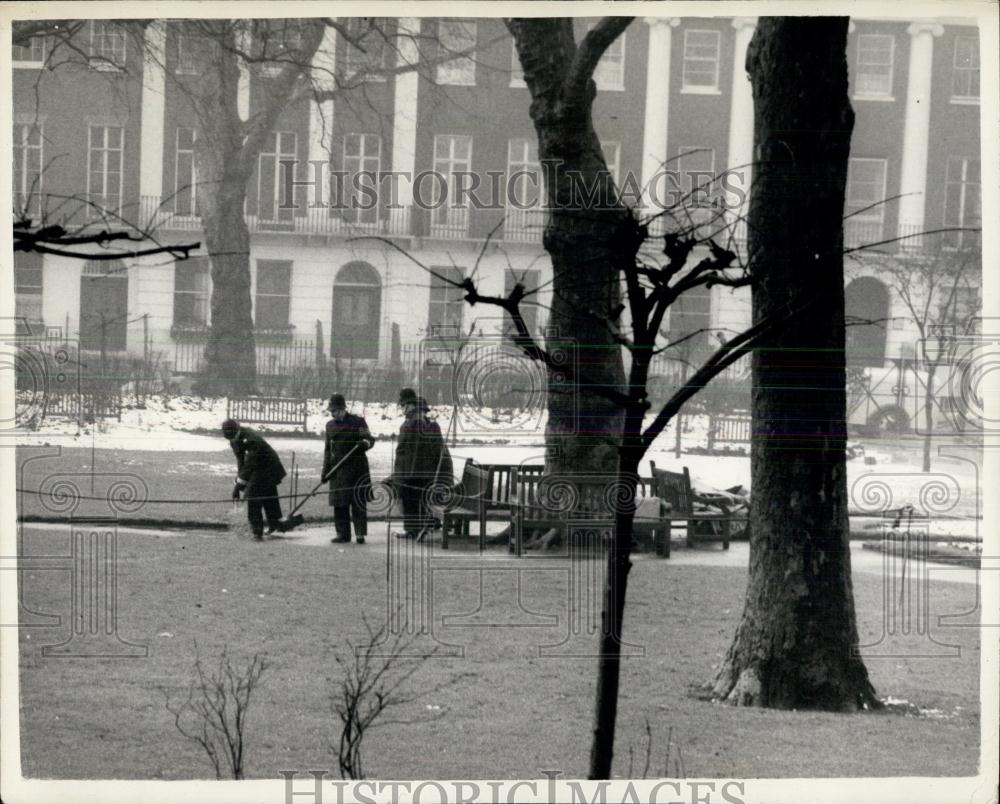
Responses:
[214,715]
[375,676]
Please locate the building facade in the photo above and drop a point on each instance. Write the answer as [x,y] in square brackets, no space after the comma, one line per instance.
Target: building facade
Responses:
[90,138]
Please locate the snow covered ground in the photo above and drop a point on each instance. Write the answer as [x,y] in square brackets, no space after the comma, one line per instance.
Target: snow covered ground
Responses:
[883,475]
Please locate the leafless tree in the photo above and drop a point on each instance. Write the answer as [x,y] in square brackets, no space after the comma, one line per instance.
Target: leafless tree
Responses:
[376,678]
[940,292]
[214,716]
[291,62]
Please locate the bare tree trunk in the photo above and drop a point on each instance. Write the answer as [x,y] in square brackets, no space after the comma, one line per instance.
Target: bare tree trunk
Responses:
[929,415]
[584,239]
[230,357]
[797,643]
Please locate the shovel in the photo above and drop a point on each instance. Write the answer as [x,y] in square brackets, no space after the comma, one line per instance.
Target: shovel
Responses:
[294,519]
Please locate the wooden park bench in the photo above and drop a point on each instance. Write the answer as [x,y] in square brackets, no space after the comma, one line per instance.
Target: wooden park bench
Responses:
[485,493]
[268,410]
[546,502]
[691,509]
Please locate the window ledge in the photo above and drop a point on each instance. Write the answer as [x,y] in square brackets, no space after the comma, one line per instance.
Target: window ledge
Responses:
[106,67]
[700,91]
[189,332]
[964,100]
[878,98]
[27,65]
[274,333]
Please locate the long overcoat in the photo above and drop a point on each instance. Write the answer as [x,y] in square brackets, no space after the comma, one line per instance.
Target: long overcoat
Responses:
[418,452]
[352,479]
[258,465]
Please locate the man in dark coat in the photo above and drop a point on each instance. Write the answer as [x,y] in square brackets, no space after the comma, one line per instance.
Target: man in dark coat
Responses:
[418,461]
[259,471]
[351,482]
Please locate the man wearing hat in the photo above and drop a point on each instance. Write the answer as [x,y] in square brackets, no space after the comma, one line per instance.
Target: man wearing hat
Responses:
[350,482]
[418,461]
[259,471]
[407,395]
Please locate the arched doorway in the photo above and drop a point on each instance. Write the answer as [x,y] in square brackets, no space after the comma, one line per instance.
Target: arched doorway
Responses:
[866,299]
[357,308]
[104,306]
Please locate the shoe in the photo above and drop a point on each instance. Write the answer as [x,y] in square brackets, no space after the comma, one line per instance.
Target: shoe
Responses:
[404,535]
[339,540]
[360,539]
[258,537]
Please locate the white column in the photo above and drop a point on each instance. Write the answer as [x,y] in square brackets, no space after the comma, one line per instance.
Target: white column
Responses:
[243,85]
[321,120]
[151,130]
[654,130]
[740,126]
[404,113]
[916,130]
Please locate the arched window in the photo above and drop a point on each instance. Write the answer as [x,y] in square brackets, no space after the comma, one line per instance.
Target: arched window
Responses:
[866,299]
[103,305]
[357,308]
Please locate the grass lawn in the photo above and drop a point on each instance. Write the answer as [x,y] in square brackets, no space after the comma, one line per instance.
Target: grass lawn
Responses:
[514,714]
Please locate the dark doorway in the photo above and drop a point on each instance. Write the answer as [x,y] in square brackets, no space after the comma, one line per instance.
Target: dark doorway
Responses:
[104,306]
[357,308]
[866,300]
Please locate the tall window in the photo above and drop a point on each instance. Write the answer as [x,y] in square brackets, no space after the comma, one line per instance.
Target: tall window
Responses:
[31,54]
[530,279]
[457,36]
[525,191]
[188,49]
[700,72]
[696,167]
[27,170]
[28,286]
[610,71]
[191,278]
[185,184]
[524,174]
[272,205]
[362,161]
[365,55]
[873,72]
[447,301]
[452,163]
[107,43]
[104,169]
[274,290]
[965,68]
[865,207]
[962,200]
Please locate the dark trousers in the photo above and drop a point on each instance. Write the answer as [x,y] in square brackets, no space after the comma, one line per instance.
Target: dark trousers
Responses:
[344,515]
[412,497]
[263,498]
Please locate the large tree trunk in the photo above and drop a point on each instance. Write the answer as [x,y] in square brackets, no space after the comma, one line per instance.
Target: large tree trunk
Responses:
[584,239]
[230,357]
[797,643]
